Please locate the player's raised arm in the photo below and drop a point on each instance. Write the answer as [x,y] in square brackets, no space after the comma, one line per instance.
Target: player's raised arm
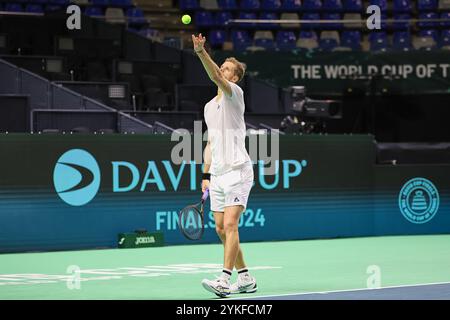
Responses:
[210,66]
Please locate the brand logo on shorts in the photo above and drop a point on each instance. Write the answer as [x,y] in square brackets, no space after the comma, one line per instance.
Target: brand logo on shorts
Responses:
[236,199]
[418,200]
[76,177]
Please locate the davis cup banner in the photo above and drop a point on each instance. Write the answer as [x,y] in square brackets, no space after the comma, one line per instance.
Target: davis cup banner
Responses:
[63,192]
[336,72]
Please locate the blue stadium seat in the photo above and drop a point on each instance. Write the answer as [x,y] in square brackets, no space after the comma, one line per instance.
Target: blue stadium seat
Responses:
[250,5]
[444,41]
[307,35]
[241,40]
[291,5]
[222,17]
[13,7]
[310,16]
[246,16]
[268,16]
[94,12]
[34,8]
[271,5]
[428,16]
[402,6]
[381,3]
[399,25]
[332,26]
[401,41]
[286,40]
[378,41]
[328,44]
[445,15]
[228,4]
[189,4]
[430,33]
[204,19]
[332,5]
[217,37]
[307,41]
[53,7]
[353,6]
[351,39]
[265,42]
[120,3]
[135,16]
[59,2]
[379,36]
[100,3]
[312,5]
[427,5]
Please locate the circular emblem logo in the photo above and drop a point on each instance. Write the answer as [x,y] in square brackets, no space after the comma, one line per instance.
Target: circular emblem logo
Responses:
[76,177]
[418,200]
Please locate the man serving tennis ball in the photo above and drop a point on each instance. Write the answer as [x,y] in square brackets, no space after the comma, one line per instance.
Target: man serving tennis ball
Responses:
[228,170]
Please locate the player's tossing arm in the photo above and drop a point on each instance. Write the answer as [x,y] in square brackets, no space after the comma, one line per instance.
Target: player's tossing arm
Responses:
[210,66]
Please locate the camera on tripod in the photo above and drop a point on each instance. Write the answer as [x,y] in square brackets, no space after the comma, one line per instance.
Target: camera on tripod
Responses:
[307,107]
[310,114]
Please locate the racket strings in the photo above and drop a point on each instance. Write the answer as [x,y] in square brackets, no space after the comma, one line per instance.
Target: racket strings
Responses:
[190,222]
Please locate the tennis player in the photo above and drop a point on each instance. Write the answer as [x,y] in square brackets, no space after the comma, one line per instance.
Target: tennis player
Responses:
[228,170]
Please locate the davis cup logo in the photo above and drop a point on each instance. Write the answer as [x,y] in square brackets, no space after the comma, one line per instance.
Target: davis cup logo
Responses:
[419,200]
[76,177]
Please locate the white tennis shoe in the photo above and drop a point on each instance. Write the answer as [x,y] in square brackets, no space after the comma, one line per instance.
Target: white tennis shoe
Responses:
[219,286]
[244,284]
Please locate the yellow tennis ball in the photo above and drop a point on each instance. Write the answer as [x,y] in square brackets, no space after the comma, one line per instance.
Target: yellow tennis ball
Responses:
[186,19]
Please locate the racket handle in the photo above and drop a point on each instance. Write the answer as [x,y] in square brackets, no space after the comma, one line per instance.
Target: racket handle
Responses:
[205,194]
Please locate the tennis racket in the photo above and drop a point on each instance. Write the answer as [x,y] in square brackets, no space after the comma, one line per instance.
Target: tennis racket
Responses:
[191,220]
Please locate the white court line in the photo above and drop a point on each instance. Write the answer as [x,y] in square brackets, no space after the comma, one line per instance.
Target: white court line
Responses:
[337,291]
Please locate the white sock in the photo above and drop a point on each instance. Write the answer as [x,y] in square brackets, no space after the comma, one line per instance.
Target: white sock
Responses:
[243,273]
[226,274]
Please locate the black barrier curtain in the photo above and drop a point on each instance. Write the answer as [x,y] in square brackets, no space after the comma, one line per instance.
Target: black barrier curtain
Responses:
[343,72]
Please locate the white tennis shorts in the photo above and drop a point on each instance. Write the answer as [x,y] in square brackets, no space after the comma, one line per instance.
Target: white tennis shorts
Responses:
[231,188]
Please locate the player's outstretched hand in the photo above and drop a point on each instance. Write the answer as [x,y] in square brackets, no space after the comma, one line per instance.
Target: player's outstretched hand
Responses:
[198,42]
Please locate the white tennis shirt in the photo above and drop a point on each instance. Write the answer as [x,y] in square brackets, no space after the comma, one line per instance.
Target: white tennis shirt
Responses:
[226,131]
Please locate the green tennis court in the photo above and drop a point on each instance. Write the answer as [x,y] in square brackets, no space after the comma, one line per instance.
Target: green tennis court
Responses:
[175,272]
